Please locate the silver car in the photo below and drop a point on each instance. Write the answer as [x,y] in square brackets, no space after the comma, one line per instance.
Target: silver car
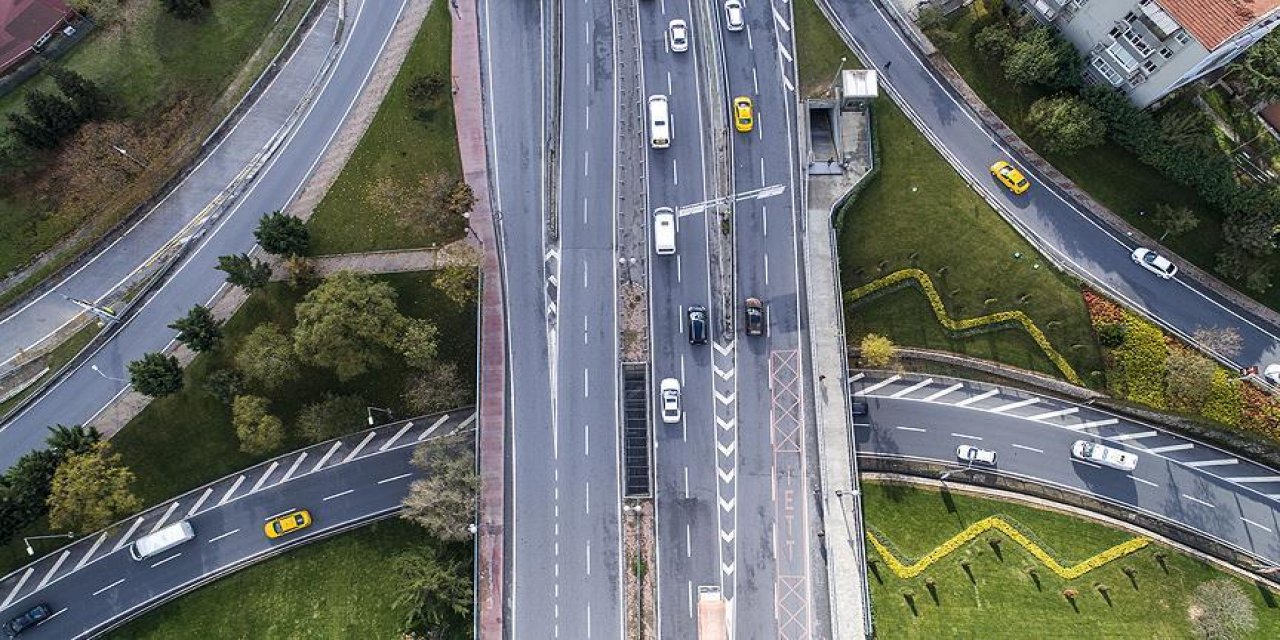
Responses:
[678,36]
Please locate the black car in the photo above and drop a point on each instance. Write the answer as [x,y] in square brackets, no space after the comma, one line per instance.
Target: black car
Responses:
[755,317]
[697,324]
[34,616]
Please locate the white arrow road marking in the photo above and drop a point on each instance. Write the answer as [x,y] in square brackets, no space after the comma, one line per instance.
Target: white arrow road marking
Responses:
[552,253]
[128,534]
[727,568]
[1212,463]
[727,450]
[728,505]
[978,398]
[57,565]
[919,385]
[728,536]
[1015,405]
[204,496]
[723,350]
[1055,414]
[21,581]
[886,381]
[168,512]
[944,392]
[92,550]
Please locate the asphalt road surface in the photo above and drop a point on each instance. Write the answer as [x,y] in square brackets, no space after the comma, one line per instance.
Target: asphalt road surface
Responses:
[82,393]
[1090,248]
[94,584]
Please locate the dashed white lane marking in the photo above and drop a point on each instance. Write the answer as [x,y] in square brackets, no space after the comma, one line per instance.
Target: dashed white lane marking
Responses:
[1076,460]
[1136,479]
[113,584]
[1023,446]
[978,398]
[1248,521]
[1198,501]
[387,445]
[235,485]
[275,464]
[356,451]
[944,392]
[1248,479]
[965,436]
[125,539]
[394,478]
[92,550]
[886,381]
[18,587]
[277,515]
[166,560]
[294,467]
[919,385]
[223,535]
[325,458]
[1015,405]
[1094,423]
[432,429]
[168,512]
[1173,447]
[1212,463]
[57,565]
[199,502]
[1055,414]
[338,495]
[55,614]
[1133,436]
[916,429]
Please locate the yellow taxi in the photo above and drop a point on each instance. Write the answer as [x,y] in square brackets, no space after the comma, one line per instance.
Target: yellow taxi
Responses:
[287,523]
[1009,175]
[743,114]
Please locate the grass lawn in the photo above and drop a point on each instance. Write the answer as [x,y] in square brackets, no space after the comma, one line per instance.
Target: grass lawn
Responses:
[1109,173]
[338,588]
[397,146]
[1003,601]
[819,50]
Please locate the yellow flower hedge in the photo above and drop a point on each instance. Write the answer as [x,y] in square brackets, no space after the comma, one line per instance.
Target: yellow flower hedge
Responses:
[994,522]
[926,284]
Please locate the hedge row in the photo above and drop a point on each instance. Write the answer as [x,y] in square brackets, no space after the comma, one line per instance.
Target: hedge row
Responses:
[1142,362]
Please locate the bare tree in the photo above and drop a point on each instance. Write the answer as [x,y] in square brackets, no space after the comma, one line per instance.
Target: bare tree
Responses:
[1220,610]
[1223,340]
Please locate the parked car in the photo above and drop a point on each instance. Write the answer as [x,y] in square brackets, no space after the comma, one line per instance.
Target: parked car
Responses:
[1104,455]
[678,36]
[1272,373]
[669,395]
[733,18]
[697,324]
[974,455]
[755,317]
[1155,263]
[1010,177]
[743,114]
[30,618]
[288,523]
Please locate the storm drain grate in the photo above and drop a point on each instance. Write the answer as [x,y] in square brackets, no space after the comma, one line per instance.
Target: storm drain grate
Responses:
[635,429]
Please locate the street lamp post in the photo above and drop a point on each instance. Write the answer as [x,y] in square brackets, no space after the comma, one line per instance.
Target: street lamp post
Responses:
[27,540]
[98,371]
[836,79]
[125,152]
[370,410]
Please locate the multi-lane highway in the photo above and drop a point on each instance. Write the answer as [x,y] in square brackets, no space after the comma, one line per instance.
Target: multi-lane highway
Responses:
[1067,232]
[94,584]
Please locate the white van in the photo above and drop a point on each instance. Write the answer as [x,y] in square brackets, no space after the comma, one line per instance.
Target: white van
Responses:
[659,122]
[664,231]
[162,540]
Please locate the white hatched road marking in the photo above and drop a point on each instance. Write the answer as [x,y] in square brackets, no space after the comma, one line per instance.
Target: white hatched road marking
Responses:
[196,507]
[356,451]
[944,392]
[270,470]
[1015,405]
[1173,447]
[1133,436]
[57,565]
[432,429]
[1095,423]
[978,398]
[1198,501]
[289,474]
[1212,463]
[168,512]
[886,381]
[919,385]
[1055,414]
[128,534]
[325,458]
[92,550]
[18,587]
[227,496]
[99,591]
[387,445]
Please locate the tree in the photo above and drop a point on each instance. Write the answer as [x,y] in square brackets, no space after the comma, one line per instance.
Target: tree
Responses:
[437,388]
[347,324]
[877,350]
[91,490]
[330,417]
[283,235]
[30,133]
[103,12]
[53,113]
[225,385]
[1174,221]
[266,357]
[72,440]
[1220,610]
[444,502]
[418,343]
[89,99]
[1224,340]
[461,199]
[26,488]
[1039,56]
[434,590]
[1066,124]
[933,22]
[187,9]
[302,271]
[994,41]
[459,283]
[245,272]
[198,330]
[156,375]
[1259,68]
[259,431]
[1190,377]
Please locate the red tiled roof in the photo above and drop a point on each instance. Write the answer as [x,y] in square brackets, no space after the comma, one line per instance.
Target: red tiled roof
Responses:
[1213,22]
[22,22]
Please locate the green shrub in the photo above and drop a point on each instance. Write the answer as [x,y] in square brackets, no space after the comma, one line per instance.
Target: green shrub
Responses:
[1111,335]
[1225,403]
[1142,362]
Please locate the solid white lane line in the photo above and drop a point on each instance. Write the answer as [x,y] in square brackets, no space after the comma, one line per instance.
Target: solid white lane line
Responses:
[387,445]
[1248,479]
[270,470]
[235,485]
[339,494]
[1146,482]
[1015,405]
[1212,463]
[325,458]
[1198,501]
[965,436]
[1095,423]
[166,560]
[204,496]
[887,381]
[915,387]
[223,535]
[1055,414]
[294,467]
[435,425]
[1173,447]
[16,589]
[168,512]
[394,478]
[1025,447]
[943,392]
[978,398]
[1248,521]
[1133,436]
[356,451]
[99,591]
[92,550]
[56,565]
[916,429]
[127,534]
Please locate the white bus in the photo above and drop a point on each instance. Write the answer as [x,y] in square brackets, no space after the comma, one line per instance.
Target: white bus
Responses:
[162,540]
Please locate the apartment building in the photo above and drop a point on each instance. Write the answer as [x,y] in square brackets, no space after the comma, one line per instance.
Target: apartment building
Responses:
[1148,48]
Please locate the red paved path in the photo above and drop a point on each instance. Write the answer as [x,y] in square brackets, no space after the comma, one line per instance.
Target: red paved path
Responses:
[468,108]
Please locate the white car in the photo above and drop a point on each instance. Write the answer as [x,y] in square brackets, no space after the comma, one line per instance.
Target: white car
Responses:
[678,36]
[670,398]
[1104,455]
[1155,263]
[733,18]
[972,454]
[1272,373]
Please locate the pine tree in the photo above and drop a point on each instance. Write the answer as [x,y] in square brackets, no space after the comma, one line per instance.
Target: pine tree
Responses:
[54,113]
[30,132]
[89,99]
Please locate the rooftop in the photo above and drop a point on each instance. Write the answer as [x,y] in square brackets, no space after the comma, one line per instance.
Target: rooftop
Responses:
[22,22]
[1213,22]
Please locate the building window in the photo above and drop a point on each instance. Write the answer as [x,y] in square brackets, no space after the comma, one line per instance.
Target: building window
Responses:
[1105,70]
[1138,42]
[1149,66]
[1122,57]
[1115,32]
[1165,53]
[1182,37]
